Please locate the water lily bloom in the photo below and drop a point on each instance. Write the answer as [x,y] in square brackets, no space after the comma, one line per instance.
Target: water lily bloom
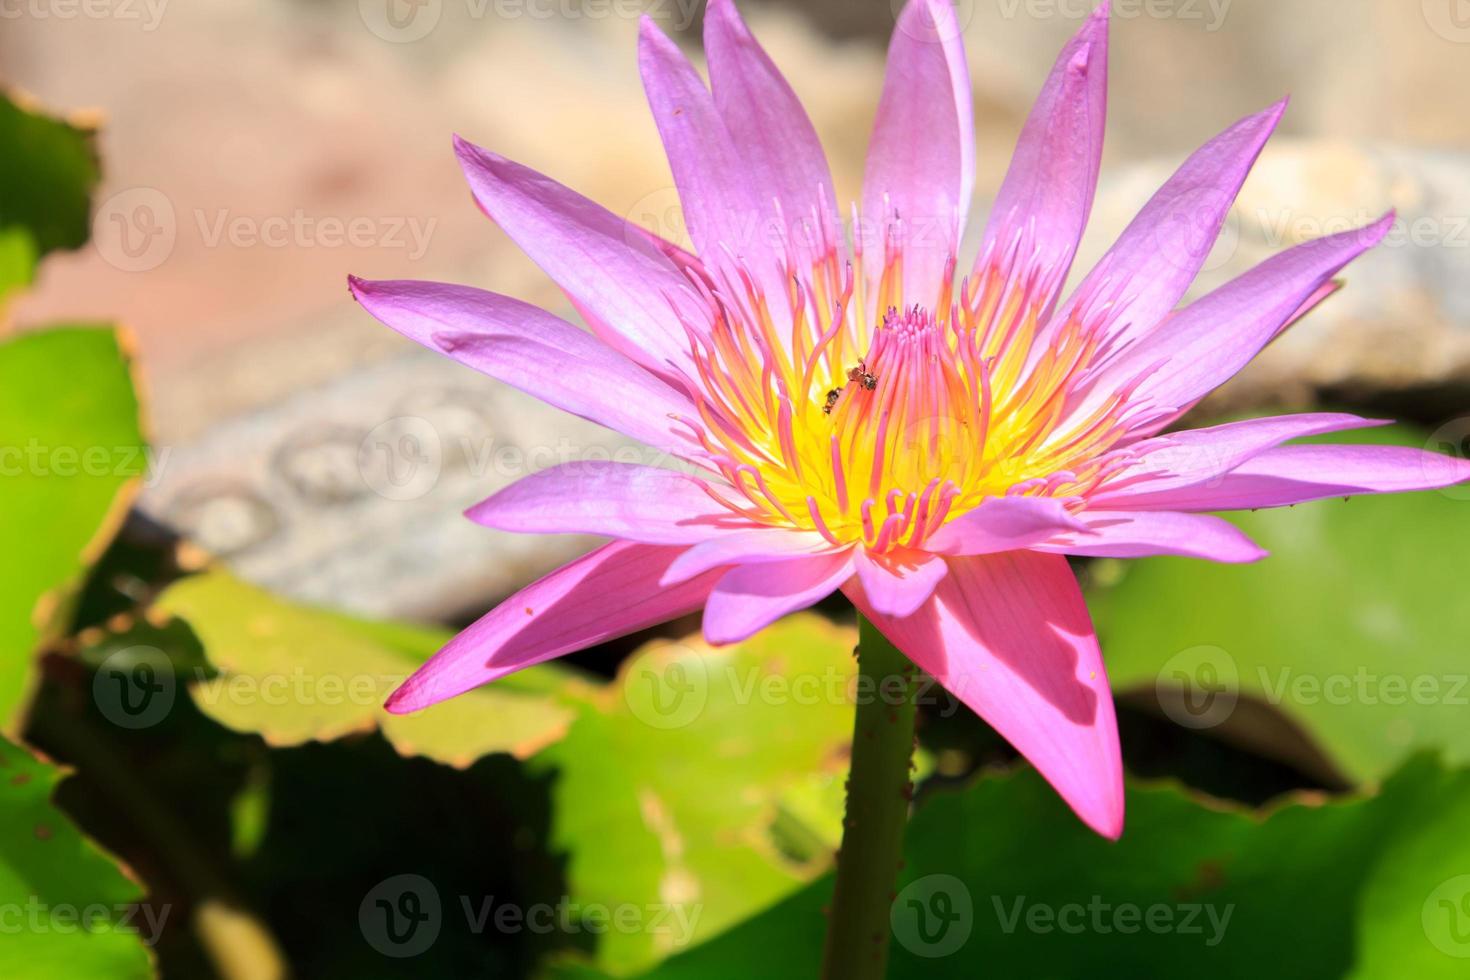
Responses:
[852,411]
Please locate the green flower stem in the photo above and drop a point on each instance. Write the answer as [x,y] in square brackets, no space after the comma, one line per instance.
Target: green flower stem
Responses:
[878,792]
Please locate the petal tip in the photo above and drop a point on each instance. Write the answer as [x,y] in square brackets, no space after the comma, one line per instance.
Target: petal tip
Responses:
[1383,225]
[1109,825]
[650,33]
[402,701]
[1459,469]
[472,154]
[724,10]
[716,635]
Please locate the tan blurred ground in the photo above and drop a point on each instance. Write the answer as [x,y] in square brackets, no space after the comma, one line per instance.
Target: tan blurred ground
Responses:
[267,109]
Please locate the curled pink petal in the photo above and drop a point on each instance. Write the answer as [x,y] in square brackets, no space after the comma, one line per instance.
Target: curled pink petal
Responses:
[749,598]
[1004,524]
[619,500]
[921,160]
[1139,534]
[900,582]
[633,296]
[608,593]
[1296,474]
[1209,341]
[530,349]
[775,137]
[729,219]
[746,547]
[1043,204]
[1146,272]
[1181,459]
[1009,636]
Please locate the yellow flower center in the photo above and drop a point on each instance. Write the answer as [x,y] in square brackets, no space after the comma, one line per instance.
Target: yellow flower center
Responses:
[878,433]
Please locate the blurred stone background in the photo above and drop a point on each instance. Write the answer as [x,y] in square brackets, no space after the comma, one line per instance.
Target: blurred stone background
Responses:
[256,152]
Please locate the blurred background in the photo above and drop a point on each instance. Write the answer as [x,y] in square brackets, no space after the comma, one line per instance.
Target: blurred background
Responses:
[286,455]
[241,140]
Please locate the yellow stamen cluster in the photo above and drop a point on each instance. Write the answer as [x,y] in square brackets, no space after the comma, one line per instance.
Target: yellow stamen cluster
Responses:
[877,429]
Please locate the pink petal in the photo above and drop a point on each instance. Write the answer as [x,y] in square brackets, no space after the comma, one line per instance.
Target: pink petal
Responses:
[530,349]
[753,547]
[632,295]
[921,160]
[727,217]
[1139,534]
[772,130]
[1180,459]
[896,584]
[1009,635]
[1323,292]
[619,500]
[1209,341]
[608,593]
[1147,271]
[1043,204]
[1003,524]
[751,597]
[1295,474]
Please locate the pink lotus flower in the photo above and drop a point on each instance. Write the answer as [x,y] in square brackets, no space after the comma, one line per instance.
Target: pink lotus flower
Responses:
[861,420]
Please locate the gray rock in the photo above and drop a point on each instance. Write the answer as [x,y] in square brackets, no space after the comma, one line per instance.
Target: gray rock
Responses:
[1403,319]
[350,493]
